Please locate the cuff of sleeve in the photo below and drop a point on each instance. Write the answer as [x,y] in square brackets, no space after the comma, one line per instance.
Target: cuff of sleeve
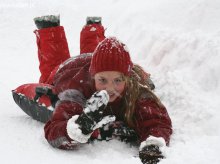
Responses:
[74,132]
[151,140]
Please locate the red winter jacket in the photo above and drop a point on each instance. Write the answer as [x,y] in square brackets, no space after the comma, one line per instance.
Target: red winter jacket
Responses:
[74,85]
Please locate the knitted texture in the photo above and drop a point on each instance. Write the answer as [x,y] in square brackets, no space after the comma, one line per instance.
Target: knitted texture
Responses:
[111,55]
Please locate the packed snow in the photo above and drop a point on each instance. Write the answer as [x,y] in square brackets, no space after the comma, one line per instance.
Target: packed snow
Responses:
[177,41]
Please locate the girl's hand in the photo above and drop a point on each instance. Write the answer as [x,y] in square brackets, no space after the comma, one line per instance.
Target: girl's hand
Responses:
[92,116]
[150,154]
[118,130]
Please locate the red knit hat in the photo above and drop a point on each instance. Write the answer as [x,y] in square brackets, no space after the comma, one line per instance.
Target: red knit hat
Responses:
[111,55]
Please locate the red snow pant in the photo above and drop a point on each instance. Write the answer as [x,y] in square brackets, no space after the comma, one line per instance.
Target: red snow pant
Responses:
[53,48]
[52,51]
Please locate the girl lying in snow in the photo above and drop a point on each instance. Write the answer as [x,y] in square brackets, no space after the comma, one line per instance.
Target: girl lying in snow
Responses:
[99,94]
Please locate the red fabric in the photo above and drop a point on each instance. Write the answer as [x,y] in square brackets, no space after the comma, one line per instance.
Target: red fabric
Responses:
[52,50]
[90,37]
[51,76]
[29,91]
[150,119]
[74,74]
[77,69]
[56,127]
[111,55]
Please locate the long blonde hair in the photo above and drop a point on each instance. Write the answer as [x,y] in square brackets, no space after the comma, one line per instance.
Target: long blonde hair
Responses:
[136,84]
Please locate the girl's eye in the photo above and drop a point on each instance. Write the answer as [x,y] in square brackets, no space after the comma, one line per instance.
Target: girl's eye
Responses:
[102,81]
[118,81]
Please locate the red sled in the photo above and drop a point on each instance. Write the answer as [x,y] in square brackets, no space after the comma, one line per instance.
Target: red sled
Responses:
[36,100]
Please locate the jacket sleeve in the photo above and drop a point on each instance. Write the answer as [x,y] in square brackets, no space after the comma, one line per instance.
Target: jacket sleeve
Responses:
[152,120]
[62,131]
[55,129]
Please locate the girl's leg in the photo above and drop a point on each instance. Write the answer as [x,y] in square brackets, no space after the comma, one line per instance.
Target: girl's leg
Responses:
[52,50]
[91,35]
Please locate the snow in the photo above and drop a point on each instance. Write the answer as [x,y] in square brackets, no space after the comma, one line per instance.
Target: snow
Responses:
[74,131]
[151,140]
[98,99]
[177,41]
[93,29]
[105,121]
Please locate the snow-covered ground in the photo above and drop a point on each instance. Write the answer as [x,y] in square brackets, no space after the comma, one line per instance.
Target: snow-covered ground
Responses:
[177,41]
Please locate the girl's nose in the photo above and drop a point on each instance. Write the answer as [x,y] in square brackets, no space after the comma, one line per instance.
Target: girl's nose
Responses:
[110,88]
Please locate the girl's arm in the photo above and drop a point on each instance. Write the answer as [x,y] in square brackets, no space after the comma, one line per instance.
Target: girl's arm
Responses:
[154,127]
[153,123]
[73,122]
[55,129]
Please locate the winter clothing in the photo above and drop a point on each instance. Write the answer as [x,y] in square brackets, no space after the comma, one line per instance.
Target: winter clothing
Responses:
[81,127]
[119,130]
[111,55]
[90,36]
[52,51]
[47,21]
[93,20]
[150,154]
[93,112]
[74,84]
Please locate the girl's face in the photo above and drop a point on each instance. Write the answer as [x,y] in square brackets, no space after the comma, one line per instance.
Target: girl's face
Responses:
[111,81]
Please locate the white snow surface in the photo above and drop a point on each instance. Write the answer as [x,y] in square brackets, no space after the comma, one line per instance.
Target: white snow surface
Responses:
[177,41]
[74,131]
